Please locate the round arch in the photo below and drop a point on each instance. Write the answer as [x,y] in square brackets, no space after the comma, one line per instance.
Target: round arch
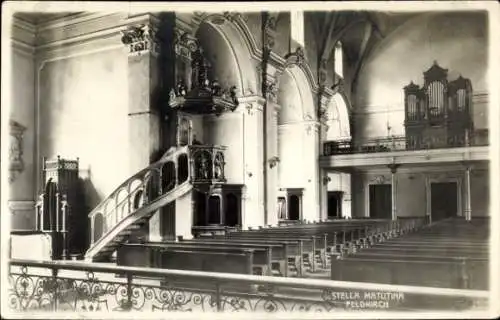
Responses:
[337,119]
[230,51]
[298,138]
[295,96]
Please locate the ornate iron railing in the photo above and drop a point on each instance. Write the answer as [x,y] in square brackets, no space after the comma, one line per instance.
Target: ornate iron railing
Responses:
[78,286]
[403,143]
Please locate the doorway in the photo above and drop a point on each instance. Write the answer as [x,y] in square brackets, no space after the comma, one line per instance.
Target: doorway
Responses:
[214,210]
[380,201]
[231,216]
[335,204]
[294,207]
[444,199]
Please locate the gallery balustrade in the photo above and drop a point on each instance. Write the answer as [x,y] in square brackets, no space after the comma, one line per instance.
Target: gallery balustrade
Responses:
[404,143]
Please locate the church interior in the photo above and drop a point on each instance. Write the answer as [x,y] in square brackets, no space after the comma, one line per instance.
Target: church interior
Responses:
[331,145]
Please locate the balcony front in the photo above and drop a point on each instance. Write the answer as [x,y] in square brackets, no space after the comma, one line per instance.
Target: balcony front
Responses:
[405,150]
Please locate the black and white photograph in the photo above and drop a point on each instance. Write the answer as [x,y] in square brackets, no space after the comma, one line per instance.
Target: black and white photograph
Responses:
[230,160]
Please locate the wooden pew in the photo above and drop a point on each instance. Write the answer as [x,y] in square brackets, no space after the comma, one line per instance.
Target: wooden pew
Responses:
[275,252]
[434,251]
[447,259]
[220,259]
[289,249]
[447,273]
[299,249]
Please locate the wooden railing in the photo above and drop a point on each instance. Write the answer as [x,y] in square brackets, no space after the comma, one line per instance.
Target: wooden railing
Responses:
[83,287]
[400,143]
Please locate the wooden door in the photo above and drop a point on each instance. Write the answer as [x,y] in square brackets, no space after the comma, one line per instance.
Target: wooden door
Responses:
[444,198]
[380,201]
[334,204]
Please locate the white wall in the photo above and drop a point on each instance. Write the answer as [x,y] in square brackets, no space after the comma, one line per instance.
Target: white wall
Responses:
[226,130]
[83,113]
[458,42]
[22,111]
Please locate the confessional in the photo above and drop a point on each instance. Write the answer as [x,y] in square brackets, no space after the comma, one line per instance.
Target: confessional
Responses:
[438,114]
[59,211]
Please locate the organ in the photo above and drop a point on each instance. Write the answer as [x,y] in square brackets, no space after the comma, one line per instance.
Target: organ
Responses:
[438,114]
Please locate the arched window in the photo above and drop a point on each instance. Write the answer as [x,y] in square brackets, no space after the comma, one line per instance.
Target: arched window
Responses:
[98,226]
[297,27]
[339,59]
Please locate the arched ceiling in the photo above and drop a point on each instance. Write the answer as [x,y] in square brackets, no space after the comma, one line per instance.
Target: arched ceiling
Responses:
[359,31]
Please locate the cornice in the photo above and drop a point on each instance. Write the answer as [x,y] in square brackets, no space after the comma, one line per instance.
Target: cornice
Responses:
[23,32]
[24,25]
[87,27]
[69,20]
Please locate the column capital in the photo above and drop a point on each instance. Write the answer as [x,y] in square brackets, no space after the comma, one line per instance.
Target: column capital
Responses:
[312,126]
[140,39]
[467,164]
[251,104]
[393,167]
[185,43]
[270,80]
[325,95]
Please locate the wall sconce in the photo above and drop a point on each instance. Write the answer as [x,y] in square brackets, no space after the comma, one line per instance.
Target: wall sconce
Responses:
[273,161]
[249,174]
[326,179]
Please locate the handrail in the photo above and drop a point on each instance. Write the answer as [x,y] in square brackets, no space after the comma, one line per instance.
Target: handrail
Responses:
[171,152]
[250,279]
[147,207]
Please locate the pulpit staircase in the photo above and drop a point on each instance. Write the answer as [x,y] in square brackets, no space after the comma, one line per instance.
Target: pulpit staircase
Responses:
[129,207]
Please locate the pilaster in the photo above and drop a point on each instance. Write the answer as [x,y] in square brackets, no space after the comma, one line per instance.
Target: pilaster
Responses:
[394,169]
[142,46]
[271,155]
[144,123]
[253,166]
[311,197]
[324,97]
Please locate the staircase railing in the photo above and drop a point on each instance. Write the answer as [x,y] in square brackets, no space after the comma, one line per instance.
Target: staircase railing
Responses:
[137,191]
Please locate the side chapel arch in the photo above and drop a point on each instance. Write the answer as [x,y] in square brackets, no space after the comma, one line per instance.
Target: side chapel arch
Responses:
[298,139]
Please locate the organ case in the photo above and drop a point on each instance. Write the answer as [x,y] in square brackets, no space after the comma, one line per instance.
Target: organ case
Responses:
[439,114]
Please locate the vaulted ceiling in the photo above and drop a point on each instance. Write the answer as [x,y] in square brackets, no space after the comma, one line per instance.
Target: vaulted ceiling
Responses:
[358,31]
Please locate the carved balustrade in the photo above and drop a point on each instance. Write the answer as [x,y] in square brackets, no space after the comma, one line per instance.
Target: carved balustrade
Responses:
[402,143]
[137,191]
[194,163]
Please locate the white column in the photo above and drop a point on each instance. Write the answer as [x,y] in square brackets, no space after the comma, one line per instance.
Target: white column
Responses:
[428,205]
[311,198]
[346,201]
[394,191]
[253,164]
[324,194]
[468,209]
[272,163]
[144,122]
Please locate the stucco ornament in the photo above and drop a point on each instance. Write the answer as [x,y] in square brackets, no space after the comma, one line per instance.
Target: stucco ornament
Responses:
[16,163]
